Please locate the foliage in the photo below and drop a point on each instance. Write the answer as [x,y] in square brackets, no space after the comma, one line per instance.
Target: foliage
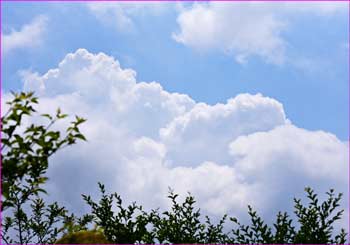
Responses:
[316,220]
[25,152]
[39,227]
[128,225]
[182,224]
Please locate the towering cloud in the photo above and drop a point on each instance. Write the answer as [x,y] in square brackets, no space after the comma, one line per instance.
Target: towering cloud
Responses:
[143,139]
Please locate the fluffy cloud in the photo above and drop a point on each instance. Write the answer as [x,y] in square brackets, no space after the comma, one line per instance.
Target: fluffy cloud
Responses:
[316,154]
[188,135]
[244,29]
[28,36]
[143,139]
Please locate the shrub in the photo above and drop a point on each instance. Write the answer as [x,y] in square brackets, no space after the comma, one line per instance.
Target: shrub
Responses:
[25,153]
[183,224]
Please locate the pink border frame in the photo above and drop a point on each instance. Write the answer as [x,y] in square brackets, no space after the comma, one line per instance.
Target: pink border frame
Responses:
[348,197]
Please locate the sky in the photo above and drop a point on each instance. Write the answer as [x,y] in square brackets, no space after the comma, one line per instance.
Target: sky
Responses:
[238,103]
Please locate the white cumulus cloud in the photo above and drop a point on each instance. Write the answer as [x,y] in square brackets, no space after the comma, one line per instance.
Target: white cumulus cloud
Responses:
[245,29]
[143,139]
[188,135]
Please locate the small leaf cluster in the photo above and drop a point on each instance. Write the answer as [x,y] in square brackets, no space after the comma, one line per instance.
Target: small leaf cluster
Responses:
[128,225]
[315,224]
[25,152]
[38,227]
[316,221]
[182,223]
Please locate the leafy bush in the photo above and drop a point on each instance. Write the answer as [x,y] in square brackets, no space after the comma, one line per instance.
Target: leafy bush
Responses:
[25,153]
[182,224]
[315,224]
[128,225]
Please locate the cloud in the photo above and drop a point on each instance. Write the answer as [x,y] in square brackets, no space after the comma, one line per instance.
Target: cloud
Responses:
[122,15]
[316,154]
[245,30]
[230,28]
[187,136]
[30,35]
[143,139]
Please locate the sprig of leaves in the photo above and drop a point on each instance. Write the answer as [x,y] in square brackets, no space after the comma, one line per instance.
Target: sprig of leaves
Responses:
[25,152]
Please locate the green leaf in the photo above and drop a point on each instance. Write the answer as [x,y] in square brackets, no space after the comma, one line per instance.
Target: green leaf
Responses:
[47,116]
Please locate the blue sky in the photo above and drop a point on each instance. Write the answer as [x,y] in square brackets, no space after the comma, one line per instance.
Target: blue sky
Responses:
[233,99]
[314,97]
